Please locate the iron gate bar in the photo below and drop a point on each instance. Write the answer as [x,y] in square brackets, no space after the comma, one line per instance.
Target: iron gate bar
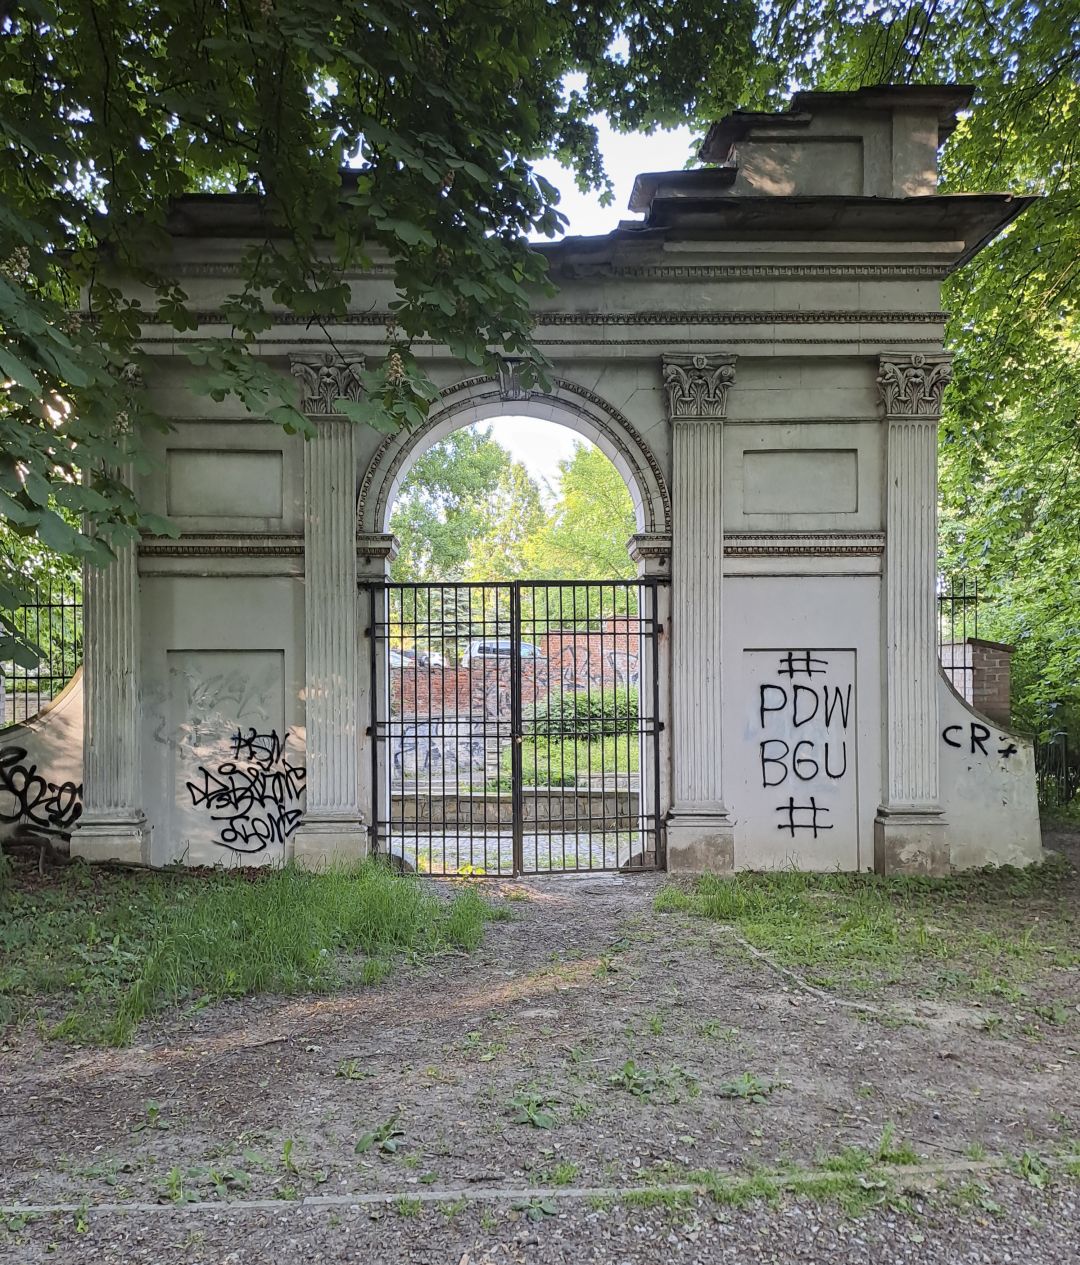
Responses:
[456,734]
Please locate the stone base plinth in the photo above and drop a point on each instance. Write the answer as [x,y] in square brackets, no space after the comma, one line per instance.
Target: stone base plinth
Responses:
[700,843]
[320,842]
[106,839]
[910,842]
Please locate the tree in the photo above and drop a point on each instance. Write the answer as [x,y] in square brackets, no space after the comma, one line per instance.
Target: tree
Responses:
[113,108]
[443,505]
[514,514]
[585,537]
[1010,436]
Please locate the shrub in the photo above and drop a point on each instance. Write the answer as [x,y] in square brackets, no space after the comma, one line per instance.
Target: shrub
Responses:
[586,714]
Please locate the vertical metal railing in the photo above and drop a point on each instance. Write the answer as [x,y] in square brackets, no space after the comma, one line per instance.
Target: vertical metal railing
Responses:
[52,621]
[958,619]
[519,728]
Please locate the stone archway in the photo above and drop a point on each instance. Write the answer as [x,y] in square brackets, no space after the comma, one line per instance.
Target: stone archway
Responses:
[567,404]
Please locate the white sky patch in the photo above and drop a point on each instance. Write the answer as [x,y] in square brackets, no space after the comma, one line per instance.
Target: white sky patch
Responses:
[538,445]
[625,156]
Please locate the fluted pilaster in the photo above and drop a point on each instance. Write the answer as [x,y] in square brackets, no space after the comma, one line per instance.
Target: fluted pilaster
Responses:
[909,832]
[700,833]
[331,827]
[113,824]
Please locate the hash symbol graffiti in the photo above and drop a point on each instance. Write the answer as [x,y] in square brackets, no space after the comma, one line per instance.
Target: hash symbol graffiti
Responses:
[791,808]
[802,662]
[52,806]
[258,801]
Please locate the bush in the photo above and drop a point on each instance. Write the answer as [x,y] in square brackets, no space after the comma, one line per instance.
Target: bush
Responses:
[585,714]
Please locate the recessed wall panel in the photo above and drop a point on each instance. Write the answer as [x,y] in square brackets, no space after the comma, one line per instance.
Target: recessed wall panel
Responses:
[800,481]
[219,483]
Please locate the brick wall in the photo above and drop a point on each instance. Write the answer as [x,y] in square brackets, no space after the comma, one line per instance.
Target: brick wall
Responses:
[569,661]
[991,669]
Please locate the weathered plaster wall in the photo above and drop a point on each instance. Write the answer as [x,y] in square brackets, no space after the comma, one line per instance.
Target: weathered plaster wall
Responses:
[988,788]
[41,768]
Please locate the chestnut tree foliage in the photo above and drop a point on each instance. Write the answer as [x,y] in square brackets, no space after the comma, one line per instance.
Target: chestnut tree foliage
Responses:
[111,109]
[1010,441]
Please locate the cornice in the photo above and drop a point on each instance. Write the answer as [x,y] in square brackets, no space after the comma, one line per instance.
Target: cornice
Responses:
[803,544]
[217,545]
[658,316]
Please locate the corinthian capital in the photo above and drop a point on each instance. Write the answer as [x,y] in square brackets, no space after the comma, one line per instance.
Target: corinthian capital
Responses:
[324,379]
[912,386]
[697,386]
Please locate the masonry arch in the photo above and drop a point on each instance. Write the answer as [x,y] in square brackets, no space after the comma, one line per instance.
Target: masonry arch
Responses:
[481,398]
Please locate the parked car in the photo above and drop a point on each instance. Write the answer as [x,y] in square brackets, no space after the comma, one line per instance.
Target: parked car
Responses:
[424,658]
[501,648]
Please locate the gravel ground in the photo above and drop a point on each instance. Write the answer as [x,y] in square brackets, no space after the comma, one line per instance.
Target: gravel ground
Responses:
[619,1031]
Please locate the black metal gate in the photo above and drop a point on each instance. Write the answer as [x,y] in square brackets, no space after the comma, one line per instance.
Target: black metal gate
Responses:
[516,726]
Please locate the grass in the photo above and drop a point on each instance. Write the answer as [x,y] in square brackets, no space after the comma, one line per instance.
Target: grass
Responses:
[989,931]
[95,952]
[562,761]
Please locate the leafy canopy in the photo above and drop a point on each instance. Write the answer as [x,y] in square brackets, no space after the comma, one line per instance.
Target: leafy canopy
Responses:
[1010,450]
[111,109]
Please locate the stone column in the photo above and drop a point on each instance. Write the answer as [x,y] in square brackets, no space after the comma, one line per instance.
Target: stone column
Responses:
[113,825]
[331,829]
[699,832]
[909,831]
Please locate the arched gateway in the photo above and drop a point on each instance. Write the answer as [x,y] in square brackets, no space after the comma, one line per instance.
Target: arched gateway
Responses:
[762,359]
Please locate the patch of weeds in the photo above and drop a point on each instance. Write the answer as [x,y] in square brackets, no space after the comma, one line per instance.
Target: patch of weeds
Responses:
[716,1031]
[111,949]
[517,894]
[352,1070]
[288,1159]
[386,1138]
[580,1109]
[645,1082]
[536,1209]
[488,1221]
[533,1108]
[562,1174]
[748,1087]
[975,1151]
[852,1159]
[891,1151]
[975,1195]
[656,1025]
[1033,1169]
[406,1206]
[992,1023]
[374,971]
[176,1188]
[453,1208]
[852,929]
[1054,1012]
[288,1191]
[153,1118]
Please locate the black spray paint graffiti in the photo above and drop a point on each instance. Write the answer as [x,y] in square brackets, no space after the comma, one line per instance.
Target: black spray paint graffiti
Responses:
[794,760]
[977,738]
[256,794]
[52,806]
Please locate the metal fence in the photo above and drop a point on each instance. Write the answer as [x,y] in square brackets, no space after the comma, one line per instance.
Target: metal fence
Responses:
[1057,772]
[53,622]
[958,619]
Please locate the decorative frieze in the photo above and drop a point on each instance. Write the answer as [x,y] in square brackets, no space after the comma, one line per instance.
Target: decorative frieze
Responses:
[697,385]
[324,379]
[913,386]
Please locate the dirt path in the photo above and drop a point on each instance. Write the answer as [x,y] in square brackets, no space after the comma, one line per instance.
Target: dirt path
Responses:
[590,1042]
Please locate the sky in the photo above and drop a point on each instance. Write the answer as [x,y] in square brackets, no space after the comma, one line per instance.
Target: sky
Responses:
[540,446]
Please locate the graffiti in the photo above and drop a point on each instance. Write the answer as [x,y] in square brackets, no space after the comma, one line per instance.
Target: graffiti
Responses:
[978,735]
[52,806]
[801,723]
[255,795]
[805,823]
[439,748]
